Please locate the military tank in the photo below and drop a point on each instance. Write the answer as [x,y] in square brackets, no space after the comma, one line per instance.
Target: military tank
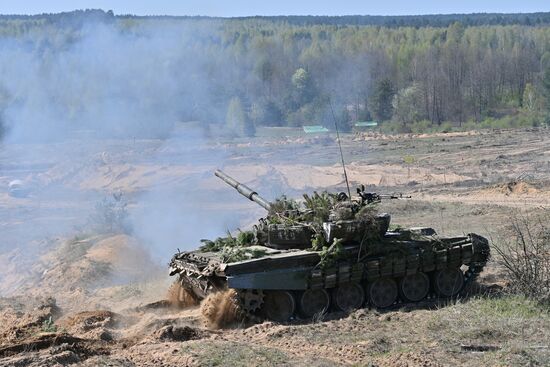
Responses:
[328,252]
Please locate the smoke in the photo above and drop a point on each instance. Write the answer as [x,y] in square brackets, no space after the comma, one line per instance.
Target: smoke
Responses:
[100,107]
[116,82]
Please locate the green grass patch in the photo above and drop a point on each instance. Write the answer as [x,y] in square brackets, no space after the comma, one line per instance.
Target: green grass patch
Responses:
[210,353]
[510,307]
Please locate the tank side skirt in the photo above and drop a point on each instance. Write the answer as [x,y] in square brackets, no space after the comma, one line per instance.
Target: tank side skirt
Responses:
[461,253]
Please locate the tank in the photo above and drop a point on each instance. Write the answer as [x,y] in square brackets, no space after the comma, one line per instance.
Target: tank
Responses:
[328,252]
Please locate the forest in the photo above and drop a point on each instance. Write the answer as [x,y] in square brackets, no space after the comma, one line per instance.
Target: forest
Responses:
[409,73]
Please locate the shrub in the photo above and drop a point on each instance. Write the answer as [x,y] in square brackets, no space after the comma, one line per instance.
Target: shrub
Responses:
[394,127]
[48,325]
[525,255]
[470,125]
[420,127]
[110,215]
[446,127]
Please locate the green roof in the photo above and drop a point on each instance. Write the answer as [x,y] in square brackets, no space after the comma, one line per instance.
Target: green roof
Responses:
[366,123]
[311,129]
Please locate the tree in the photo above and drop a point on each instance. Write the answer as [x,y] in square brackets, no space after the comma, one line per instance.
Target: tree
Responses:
[380,104]
[236,119]
[302,86]
[546,87]
[407,105]
[266,113]
[344,122]
[530,98]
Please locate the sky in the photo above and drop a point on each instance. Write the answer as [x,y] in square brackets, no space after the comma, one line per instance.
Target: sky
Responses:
[231,8]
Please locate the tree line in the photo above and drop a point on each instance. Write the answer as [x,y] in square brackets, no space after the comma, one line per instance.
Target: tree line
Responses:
[409,73]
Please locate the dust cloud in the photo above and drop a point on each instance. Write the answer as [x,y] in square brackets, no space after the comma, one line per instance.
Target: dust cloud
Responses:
[100,108]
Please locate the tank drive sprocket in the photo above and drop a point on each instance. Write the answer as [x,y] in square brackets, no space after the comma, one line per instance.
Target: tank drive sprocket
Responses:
[251,300]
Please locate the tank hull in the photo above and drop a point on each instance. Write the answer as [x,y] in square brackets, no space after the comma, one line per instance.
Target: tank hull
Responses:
[416,270]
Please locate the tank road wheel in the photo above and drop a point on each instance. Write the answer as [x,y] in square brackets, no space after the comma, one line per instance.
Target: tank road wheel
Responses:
[349,297]
[448,282]
[414,287]
[279,305]
[382,292]
[314,301]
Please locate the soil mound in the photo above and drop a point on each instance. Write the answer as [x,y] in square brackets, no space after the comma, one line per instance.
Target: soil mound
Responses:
[21,322]
[111,267]
[85,323]
[179,333]
[517,187]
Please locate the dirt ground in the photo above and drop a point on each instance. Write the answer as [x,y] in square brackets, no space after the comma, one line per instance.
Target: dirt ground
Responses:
[72,296]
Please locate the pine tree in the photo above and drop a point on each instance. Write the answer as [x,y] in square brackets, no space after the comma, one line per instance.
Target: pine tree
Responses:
[237,121]
[380,104]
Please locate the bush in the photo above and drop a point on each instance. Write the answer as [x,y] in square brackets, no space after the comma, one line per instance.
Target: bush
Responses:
[446,127]
[420,127]
[110,216]
[48,326]
[509,122]
[525,255]
[470,125]
[394,127]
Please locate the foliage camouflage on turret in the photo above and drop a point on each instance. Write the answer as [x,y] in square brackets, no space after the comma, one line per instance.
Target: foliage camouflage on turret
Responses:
[312,211]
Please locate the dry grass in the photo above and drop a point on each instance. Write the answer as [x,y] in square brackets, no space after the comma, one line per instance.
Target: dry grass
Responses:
[515,328]
[208,353]
[510,330]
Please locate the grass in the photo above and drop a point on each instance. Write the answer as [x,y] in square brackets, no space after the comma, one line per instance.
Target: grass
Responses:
[75,248]
[518,120]
[209,353]
[518,327]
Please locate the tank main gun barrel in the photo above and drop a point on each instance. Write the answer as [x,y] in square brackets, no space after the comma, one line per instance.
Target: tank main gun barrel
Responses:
[244,190]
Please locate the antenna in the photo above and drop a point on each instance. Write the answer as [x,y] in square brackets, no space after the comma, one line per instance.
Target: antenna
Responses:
[340,146]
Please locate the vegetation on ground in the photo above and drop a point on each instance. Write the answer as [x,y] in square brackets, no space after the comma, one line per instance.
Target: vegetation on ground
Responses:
[110,215]
[525,254]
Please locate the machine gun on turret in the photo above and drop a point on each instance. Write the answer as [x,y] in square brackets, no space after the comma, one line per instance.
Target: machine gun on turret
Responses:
[374,197]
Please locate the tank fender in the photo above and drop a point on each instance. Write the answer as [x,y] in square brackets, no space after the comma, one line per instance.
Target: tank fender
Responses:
[287,279]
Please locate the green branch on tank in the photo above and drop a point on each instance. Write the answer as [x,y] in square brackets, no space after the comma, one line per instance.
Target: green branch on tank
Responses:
[314,208]
[233,248]
[243,239]
[330,255]
[240,253]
